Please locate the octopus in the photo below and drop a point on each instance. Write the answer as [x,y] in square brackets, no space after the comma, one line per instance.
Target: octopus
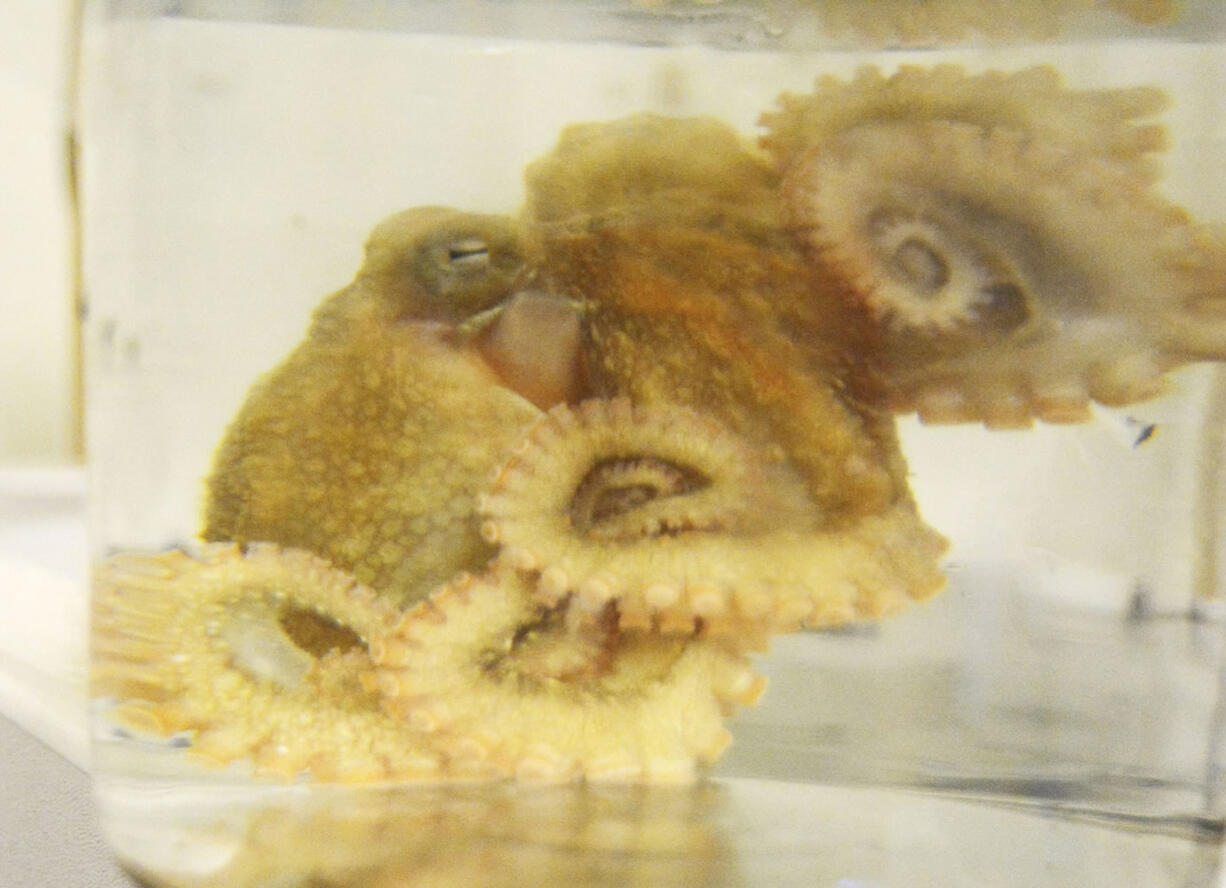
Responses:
[1036,268]
[503,683]
[534,488]
[259,655]
[370,443]
[275,657]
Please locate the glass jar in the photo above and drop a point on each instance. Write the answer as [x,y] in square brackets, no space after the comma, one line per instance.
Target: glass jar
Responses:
[870,349]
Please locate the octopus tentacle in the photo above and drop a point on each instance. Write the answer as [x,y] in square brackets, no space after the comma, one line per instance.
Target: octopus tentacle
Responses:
[685,526]
[260,654]
[1108,123]
[507,685]
[1015,278]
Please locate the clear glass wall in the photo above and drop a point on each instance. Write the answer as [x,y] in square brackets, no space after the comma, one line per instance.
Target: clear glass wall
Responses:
[689,388]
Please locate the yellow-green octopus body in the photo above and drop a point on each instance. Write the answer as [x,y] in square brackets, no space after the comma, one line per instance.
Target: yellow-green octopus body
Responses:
[369,443]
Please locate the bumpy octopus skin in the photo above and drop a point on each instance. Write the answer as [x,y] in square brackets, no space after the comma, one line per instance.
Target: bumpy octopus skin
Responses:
[259,655]
[684,527]
[508,686]
[694,173]
[459,372]
[1006,236]
[699,311]
[276,657]
[369,443]
[689,301]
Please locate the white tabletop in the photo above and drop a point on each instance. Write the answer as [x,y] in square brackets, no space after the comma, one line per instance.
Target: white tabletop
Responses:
[49,836]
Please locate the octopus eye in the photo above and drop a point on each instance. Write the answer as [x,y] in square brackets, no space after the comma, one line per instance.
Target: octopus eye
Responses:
[469,255]
[443,264]
[463,273]
[470,270]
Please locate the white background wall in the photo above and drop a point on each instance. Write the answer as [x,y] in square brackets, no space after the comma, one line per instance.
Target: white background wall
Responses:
[35,299]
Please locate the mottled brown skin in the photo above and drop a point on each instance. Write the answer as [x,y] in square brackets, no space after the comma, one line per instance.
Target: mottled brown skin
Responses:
[694,172]
[672,235]
[706,321]
[368,444]
[653,272]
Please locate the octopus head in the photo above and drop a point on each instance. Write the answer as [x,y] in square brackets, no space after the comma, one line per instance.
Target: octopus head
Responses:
[369,443]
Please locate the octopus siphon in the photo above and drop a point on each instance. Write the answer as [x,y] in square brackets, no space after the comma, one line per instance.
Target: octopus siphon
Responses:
[533,488]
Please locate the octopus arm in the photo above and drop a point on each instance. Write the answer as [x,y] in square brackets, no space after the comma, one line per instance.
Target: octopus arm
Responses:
[679,316]
[507,686]
[1020,276]
[259,655]
[1114,124]
[684,526]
